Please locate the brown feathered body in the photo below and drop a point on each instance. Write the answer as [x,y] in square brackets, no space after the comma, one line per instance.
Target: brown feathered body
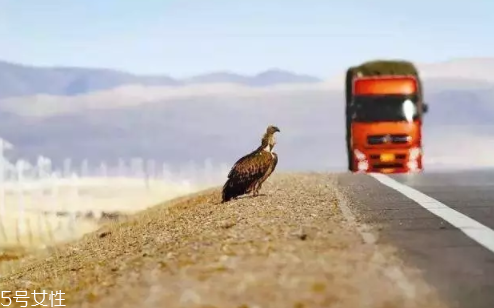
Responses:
[249,172]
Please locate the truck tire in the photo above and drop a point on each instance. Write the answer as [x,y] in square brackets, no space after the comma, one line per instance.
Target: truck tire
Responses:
[348,117]
[349,159]
[348,144]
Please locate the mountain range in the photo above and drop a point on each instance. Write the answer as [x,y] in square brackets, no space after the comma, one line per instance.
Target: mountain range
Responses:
[21,80]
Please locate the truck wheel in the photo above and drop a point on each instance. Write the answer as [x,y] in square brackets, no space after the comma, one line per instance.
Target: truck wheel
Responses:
[349,155]
[350,160]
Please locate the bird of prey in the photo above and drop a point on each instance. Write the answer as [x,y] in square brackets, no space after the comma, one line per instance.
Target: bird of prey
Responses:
[249,172]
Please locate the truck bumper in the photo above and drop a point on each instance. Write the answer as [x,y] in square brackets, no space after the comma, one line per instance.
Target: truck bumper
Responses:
[388,161]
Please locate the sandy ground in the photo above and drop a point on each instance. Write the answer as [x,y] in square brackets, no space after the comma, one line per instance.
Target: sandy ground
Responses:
[289,248]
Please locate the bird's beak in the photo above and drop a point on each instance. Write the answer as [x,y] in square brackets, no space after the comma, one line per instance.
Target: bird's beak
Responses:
[276,129]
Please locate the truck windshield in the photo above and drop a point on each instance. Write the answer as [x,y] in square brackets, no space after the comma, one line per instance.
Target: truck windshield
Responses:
[378,108]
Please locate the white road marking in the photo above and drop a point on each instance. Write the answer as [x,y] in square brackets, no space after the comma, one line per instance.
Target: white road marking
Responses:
[393,272]
[472,228]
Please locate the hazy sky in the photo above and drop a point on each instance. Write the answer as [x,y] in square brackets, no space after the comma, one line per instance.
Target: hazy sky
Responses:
[183,38]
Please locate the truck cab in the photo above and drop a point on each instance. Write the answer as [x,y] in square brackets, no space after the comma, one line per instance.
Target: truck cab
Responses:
[384,123]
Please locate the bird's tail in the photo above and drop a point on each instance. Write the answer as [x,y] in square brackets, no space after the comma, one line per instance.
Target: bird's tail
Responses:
[226,194]
[233,188]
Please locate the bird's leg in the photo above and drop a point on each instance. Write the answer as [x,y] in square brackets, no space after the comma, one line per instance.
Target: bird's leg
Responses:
[256,190]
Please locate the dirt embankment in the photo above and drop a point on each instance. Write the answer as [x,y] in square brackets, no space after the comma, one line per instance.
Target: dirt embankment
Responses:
[289,248]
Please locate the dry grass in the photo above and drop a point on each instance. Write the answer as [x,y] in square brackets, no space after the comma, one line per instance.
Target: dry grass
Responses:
[37,230]
[45,214]
[95,194]
[291,248]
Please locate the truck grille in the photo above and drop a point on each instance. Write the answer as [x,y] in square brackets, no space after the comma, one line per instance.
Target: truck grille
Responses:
[383,139]
[397,156]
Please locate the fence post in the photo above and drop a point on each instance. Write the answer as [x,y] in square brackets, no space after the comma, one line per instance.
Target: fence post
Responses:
[20,167]
[4,145]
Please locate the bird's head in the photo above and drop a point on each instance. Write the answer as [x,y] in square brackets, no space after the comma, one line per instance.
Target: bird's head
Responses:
[272,129]
[269,140]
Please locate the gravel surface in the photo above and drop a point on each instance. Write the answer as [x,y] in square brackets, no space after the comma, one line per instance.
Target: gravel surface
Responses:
[289,248]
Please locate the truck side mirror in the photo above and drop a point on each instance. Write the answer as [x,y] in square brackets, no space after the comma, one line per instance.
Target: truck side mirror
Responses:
[425,108]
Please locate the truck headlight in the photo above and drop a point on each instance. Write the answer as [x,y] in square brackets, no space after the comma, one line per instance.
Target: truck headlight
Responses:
[363,165]
[412,165]
[414,153]
[359,155]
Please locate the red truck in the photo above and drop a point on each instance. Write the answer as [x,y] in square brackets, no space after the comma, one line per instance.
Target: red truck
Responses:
[384,113]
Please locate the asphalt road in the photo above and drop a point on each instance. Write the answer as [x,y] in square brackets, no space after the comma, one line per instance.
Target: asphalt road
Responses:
[455,251]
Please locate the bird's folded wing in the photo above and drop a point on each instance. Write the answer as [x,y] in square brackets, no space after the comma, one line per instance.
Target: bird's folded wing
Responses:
[251,165]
